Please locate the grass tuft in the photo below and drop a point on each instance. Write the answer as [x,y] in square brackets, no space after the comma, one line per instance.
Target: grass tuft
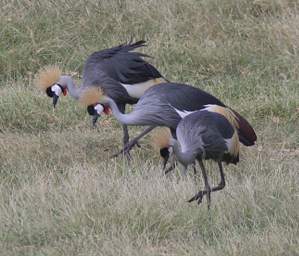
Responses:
[61,194]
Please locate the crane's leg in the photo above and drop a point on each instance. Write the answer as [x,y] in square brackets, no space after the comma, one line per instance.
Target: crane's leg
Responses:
[195,173]
[220,186]
[122,109]
[198,197]
[134,142]
[125,140]
[194,169]
[126,134]
[207,185]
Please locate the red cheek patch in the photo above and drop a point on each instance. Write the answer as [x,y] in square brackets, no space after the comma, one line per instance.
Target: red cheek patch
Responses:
[64,91]
[107,110]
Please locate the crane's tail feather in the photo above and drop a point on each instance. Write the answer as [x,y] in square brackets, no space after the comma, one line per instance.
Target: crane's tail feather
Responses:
[128,47]
[246,133]
[131,46]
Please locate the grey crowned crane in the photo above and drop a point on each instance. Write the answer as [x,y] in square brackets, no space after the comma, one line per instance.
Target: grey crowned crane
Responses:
[122,74]
[164,105]
[210,133]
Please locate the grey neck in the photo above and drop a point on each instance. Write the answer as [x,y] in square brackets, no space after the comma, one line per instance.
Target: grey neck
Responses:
[129,119]
[73,90]
[186,157]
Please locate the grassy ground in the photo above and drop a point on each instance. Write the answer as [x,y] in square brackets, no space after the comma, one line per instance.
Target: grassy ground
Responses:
[60,194]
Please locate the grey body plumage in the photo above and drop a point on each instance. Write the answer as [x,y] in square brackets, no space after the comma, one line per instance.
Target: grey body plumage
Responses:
[110,68]
[204,135]
[120,64]
[187,98]
[157,106]
[122,74]
[165,104]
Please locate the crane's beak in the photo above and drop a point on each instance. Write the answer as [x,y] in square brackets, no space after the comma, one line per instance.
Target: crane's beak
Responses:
[165,160]
[164,153]
[55,100]
[95,118]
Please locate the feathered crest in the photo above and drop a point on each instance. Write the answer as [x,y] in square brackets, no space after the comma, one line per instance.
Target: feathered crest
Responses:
[160,138]
[47,76]
[91,95]
[226,112]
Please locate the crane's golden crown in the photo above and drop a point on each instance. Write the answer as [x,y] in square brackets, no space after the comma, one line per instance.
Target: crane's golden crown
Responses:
[47,76]
[91,96]
[160,138]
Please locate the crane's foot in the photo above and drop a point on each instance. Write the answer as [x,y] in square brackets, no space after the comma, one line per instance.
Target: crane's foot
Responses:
[169,169]
[198,197]
[127,148]
[127,141]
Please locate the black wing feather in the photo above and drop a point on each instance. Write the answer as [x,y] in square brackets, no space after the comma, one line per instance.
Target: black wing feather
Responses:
[182,96]
[123,65]
[189,98]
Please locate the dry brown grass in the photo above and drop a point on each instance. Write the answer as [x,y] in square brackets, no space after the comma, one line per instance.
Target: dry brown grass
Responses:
[60,194]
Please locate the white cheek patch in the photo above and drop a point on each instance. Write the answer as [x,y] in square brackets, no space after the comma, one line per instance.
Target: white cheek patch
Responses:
[56,89]
[99,108]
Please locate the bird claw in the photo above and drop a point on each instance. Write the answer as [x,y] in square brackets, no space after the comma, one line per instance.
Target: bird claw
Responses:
[127,148]
[169,169]
[198,197]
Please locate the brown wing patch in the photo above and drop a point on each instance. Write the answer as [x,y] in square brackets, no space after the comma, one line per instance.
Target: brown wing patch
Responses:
[246,130]
[235,145]
[226,112]
[160,138]
[91,95]
[159,80]
[47,76]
